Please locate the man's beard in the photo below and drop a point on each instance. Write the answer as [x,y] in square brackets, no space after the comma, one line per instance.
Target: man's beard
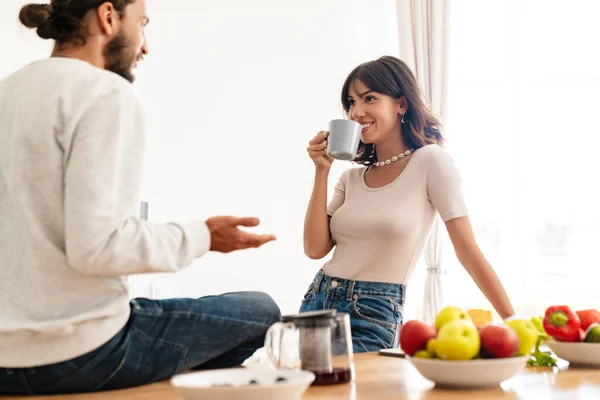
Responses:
[118,57]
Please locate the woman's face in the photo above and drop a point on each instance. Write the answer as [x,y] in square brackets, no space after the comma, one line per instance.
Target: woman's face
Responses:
[379,114]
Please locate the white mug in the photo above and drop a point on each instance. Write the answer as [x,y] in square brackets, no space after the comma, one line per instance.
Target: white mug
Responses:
[344,138]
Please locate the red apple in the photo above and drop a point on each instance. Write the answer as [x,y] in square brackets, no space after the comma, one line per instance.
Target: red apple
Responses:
[414,336]
[498,341]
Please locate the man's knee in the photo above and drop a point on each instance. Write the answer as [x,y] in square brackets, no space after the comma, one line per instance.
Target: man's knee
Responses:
[263,306]
[266,306]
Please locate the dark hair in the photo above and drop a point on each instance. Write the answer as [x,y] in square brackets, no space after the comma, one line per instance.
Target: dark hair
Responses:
[62,20]
[391,76]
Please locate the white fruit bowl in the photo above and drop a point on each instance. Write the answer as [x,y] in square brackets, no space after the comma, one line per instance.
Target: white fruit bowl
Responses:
[577,354]
[234,384]
[471,373]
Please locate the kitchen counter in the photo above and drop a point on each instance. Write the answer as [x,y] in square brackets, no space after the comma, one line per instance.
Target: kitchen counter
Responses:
[381,378]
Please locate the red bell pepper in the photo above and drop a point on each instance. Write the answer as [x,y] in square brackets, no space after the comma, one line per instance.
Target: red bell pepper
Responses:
[588,317]
[561,323]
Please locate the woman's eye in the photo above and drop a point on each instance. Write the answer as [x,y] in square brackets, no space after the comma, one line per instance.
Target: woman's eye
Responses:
[370,98]
[351,102]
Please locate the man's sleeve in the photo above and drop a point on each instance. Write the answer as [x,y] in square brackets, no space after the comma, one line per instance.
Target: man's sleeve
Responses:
[103,168]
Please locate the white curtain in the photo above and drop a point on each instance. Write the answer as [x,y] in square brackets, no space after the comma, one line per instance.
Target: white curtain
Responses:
[423,44]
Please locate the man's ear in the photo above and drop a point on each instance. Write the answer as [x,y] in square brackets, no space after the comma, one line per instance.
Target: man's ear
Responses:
[108,18]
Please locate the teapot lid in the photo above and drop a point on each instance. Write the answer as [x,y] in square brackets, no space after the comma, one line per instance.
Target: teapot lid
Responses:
[311,319]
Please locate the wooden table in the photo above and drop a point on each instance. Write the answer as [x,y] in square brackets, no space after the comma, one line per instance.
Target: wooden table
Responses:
[379,377]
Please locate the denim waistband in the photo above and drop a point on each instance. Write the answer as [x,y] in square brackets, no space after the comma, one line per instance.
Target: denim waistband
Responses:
[324,282]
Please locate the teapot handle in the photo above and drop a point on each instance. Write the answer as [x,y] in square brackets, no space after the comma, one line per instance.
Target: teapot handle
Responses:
[282,345]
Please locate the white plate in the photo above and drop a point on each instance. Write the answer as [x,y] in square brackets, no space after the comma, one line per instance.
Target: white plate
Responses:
[577,354]
[204,385]
[471,373]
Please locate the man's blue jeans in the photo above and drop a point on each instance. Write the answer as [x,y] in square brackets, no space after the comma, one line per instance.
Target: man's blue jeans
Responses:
[161,338]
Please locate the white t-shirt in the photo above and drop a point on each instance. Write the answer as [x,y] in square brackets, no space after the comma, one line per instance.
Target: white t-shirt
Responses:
[71,155]
[380,233]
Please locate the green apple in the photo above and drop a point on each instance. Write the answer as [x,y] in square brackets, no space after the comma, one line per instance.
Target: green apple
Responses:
[448,314]
[527,333]
[423,354]
[592,335]
[432,345]
[457,340]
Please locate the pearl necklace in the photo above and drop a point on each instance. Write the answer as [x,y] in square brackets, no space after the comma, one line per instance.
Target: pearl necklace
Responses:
[393,159]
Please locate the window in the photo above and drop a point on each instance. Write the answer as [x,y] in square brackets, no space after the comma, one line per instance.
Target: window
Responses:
[524,95]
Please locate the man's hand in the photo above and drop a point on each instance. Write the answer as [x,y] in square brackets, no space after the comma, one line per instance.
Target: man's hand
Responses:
[225,236]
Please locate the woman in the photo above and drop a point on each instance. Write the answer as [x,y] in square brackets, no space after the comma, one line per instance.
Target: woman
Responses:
[381,214]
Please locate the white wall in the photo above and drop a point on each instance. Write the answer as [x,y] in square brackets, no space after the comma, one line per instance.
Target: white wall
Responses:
[234,89]
[18,45]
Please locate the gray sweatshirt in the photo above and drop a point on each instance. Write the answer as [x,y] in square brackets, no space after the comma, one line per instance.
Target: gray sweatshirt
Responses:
[71,156]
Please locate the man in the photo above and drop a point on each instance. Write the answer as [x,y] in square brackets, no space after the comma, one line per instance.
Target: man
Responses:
[70,165]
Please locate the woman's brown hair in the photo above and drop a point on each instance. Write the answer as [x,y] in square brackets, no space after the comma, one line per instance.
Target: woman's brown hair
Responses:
[391,76]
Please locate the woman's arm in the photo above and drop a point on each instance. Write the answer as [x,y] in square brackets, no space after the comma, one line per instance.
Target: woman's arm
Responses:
[317,236]
[473,260]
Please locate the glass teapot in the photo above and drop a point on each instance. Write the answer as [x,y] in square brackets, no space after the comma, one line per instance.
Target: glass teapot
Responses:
[317,341]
